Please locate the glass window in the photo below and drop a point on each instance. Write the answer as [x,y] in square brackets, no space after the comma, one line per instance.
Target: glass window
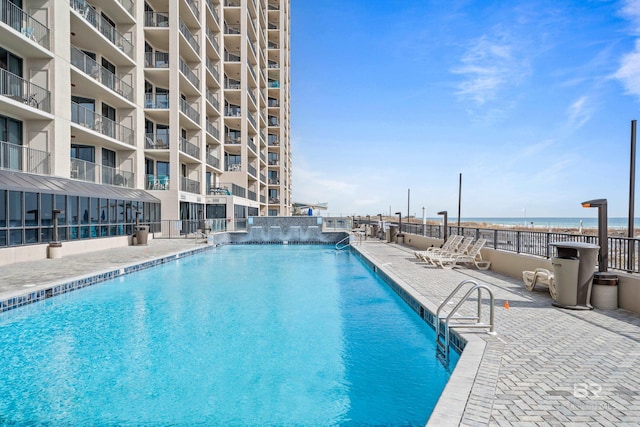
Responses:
[84,210]
[46,210]
[72,210]
[120,211]
[61,205]
[31,209]
[15,209]
[3,238]
[15,237]
[95,210]
[3,210]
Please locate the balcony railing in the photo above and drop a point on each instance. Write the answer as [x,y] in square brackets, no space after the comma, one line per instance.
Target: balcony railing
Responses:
[212,8]
[252,121]
[156,59]
[213,161]
[252,170]
[92,172]
[251,195]
[232,29]
[156,141]
[189,185]
[273,64]
[273,140]
[252,145]
[213,130]
[91,120]
[189,36]
[237,190]
[273,102]
[231,83]
[252,96]
[231,57]
[21,90]
[274,162]
[272,26]
[232,3]
[156,100]
[213,100]
[189,148]
[95,19]
[22,22]
[232,111]
[193,5]
[212,68]
[189,74]
[263,199]
[20,158]
[274,181]
[229,139]
[189,111]
[273,84]
[273,121]
[96,71]
[273,7]
[157,182]
[213,39]
[156,19]
[128,5]
[233,167]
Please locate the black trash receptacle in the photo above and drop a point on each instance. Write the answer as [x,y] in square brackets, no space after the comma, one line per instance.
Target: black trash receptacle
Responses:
[142,235]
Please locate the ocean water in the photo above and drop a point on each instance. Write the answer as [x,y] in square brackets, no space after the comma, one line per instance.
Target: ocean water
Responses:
[546,222]
[240,336]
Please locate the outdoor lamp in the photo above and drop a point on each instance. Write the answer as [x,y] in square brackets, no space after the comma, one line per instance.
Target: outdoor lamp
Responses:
[603,254]
[399,225]
[444,237]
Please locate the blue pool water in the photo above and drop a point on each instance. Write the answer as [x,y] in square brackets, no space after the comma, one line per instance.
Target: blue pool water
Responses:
[243,335]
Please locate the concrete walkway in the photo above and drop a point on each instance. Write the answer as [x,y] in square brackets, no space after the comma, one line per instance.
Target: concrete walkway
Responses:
[546,366]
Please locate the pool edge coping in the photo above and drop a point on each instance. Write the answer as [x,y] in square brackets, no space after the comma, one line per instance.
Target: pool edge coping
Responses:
[14,299]
[451,404]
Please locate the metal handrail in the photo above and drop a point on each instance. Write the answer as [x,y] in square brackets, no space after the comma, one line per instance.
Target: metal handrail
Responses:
[344,246]
[443,347]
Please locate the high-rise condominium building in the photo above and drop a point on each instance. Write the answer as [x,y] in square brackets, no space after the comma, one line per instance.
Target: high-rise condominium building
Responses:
[170,109]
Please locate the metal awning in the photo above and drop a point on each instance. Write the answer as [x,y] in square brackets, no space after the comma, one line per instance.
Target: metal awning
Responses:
[20,181]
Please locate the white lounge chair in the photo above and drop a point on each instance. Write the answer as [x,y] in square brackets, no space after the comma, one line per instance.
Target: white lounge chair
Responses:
[462,249]
[449,245]
[540,276]
[473,256]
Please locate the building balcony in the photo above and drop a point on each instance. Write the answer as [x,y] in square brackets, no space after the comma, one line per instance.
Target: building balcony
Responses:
[189,148]
[273,84]
[193,5]
[99,174]
[233,140]
[213,130]
[91,68]
[232,29]
[156,60]
[233,167]
[189,111]
[273,64]
[96,20]
[24,23]
[212,8]
[213,100]
[213,40]
[274,200]
[157,182]
[251,195]
[184,30]
[274,103]
[274,181]
[252,145]
[213,160]
[231,3]
[91,120]
[212,69]
[18,89]
[156,20]
[231,56]
[231,83]
[252,170]
[24,159]
[128,6]
[155,141]
[189,74]
[232,111]
[273,121]
[156,100]
[189,185]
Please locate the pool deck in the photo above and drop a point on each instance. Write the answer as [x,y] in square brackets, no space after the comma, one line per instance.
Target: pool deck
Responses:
[545,366]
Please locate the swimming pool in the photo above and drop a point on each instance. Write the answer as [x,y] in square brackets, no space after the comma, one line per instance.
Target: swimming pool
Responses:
[243,335]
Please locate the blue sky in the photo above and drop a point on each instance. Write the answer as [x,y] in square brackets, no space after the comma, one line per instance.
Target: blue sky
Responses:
[530,100]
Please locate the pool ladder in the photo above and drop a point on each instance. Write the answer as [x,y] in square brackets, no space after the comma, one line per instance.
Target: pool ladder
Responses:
[442,334]
[342,242]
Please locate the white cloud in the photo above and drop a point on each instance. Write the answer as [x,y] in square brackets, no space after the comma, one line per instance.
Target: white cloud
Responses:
[579,112]
[629,71]
[489,65]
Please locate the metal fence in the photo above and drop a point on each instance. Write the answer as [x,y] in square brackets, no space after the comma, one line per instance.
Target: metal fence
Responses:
[623,251]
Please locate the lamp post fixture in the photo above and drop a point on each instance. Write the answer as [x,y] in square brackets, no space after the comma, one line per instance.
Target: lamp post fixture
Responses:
[367,227]
[381,227]
[444,237]
[399,226]
[603,254]
[424,221]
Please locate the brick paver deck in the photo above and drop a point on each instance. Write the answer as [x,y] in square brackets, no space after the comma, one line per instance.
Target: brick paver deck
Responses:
[546,365]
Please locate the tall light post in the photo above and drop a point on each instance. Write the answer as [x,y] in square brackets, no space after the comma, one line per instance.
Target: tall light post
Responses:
[399,226]
[424,221]
[603,254]
[445,224]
